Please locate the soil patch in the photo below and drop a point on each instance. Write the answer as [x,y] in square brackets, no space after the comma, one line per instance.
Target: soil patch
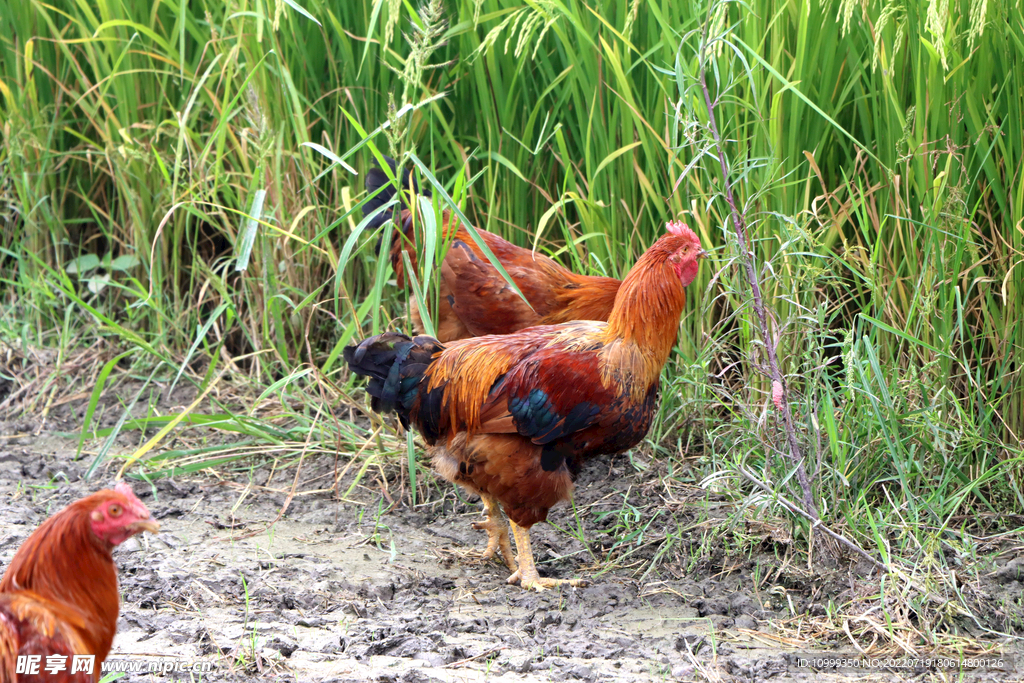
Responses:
[376,590]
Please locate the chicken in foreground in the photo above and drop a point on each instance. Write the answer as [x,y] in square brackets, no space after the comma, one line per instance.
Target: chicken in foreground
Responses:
[59,596]
[514,417]
[474,299]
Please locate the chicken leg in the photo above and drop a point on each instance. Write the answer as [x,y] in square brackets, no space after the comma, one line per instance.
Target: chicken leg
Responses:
[497,533]
[527,576]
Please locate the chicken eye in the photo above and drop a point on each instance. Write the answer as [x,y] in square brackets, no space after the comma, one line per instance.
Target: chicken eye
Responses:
[115,510]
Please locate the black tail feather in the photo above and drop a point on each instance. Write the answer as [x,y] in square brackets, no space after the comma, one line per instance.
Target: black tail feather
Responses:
[395,365]
[376,179]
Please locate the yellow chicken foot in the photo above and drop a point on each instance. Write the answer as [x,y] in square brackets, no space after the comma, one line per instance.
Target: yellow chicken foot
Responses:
[527,576]
[497,533]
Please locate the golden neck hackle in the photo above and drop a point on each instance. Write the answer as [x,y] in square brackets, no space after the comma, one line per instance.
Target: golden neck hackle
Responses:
[647,310]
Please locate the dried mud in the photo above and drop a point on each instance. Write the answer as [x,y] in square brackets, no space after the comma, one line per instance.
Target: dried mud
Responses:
[367,590]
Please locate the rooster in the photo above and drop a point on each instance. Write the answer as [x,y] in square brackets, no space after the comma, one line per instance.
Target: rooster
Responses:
[514,417]
[59,595]
[474,299]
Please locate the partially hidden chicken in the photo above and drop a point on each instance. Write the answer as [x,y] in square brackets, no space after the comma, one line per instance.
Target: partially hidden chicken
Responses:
[514,417]
[58,598]
[473,298]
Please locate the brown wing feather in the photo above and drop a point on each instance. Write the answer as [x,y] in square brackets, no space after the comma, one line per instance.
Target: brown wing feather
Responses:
[483,301]
[467,369]
[488,449]
[32,625]
[474,299]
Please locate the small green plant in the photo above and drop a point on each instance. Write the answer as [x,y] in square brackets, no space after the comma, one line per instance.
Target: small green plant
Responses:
[96,274]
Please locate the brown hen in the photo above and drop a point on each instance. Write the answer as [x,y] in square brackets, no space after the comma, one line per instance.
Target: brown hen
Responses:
[59,598]
[474,299]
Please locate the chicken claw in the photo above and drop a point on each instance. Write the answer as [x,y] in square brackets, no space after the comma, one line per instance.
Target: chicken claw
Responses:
[542,583]
[497,534]
[526,576]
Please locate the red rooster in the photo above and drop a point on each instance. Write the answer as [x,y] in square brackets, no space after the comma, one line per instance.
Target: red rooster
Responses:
[59,598]
[514,417]
[474,299]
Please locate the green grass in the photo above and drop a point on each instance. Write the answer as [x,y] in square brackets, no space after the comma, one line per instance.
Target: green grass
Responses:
[175,187]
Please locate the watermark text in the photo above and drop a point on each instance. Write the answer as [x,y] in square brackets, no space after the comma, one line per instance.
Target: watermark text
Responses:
[824,662]
[38,665]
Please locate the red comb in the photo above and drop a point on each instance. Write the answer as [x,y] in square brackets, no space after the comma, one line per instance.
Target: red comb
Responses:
[680,229]
[122,488]
[676,227]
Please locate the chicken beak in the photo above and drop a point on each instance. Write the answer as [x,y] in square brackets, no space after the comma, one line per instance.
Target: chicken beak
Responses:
[703,253]
[150,525]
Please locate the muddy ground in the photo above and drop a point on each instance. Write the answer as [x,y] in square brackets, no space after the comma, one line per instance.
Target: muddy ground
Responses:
[374,590]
